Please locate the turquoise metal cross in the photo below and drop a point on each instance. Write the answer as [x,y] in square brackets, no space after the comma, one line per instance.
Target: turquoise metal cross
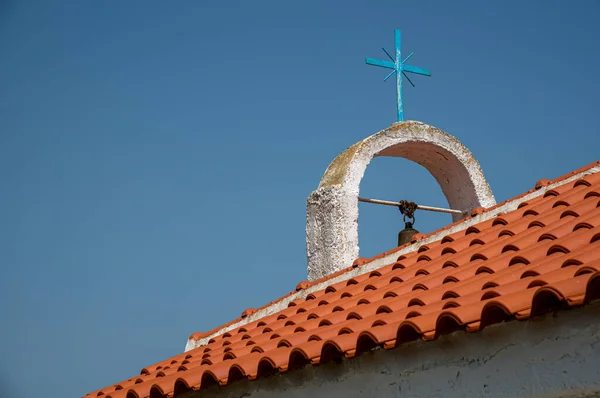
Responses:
[400,69]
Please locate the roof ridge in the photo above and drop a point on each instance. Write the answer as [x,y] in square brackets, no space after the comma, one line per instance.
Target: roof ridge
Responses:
[365,265]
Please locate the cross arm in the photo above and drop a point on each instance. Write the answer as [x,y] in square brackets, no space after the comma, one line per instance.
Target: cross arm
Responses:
[383,64]
[414,69]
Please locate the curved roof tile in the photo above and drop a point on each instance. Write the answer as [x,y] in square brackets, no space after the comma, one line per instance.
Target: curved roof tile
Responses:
[541,257]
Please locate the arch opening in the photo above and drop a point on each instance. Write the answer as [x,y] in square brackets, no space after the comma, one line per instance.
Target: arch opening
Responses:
[395,179]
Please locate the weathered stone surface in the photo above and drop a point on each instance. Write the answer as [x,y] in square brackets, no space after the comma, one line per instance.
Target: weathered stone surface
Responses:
[332,210]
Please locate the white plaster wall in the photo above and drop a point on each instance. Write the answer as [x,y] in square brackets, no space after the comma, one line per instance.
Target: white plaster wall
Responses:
[552,356]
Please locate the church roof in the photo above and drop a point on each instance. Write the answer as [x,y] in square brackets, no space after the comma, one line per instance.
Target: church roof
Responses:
[533,254]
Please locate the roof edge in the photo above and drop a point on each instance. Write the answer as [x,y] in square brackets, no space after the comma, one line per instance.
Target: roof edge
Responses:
[369,265]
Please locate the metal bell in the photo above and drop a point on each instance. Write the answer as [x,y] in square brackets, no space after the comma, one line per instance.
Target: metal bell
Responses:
[406,234]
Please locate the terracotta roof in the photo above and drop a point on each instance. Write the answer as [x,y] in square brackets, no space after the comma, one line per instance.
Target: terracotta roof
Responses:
[543,256]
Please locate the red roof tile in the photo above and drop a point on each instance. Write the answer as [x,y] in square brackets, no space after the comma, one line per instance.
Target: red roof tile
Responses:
[543,256]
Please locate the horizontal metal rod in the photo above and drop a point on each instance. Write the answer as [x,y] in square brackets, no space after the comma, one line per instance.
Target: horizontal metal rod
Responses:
[419,207]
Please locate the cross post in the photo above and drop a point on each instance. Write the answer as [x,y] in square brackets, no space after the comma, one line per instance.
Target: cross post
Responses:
[399,67]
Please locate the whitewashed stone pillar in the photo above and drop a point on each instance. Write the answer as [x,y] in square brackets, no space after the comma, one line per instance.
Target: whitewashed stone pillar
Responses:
[332,210]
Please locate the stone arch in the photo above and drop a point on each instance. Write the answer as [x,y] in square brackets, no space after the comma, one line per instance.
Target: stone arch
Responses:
[332,210]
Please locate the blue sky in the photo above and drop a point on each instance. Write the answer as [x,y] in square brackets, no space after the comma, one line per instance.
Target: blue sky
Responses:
[155,157]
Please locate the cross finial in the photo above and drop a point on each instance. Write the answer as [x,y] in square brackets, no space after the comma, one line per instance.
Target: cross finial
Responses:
[399,67]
